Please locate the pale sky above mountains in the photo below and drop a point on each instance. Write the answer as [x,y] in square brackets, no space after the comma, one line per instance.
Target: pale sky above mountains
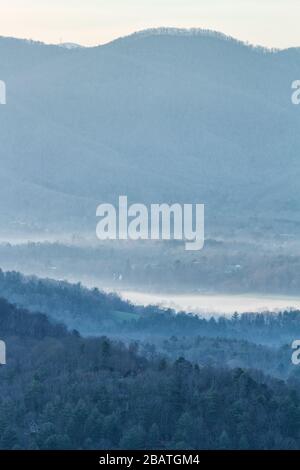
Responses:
[271,23]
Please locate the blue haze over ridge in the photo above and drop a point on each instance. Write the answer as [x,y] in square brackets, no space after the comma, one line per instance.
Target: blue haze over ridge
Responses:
[162,116]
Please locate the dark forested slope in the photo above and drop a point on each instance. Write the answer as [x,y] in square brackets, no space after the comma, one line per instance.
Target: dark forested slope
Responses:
[59,390]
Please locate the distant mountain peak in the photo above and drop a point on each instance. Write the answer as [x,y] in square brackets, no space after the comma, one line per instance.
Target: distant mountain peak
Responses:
[192,32]
[169,31]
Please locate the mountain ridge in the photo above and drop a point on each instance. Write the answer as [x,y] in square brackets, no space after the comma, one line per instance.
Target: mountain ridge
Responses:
[162,120]
[158,31]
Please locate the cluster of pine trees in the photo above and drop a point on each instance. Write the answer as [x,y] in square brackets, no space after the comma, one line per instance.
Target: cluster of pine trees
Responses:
[61,390]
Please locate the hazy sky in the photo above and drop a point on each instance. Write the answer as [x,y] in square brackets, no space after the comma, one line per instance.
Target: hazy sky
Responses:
[274,23]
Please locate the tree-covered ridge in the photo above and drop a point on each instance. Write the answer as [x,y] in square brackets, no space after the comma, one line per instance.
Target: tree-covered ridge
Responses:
[60,390]
[93,312]
[226,352]
[88,310]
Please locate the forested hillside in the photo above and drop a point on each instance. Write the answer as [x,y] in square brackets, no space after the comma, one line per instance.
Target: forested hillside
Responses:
[93,312]
[60,390]
[161,116]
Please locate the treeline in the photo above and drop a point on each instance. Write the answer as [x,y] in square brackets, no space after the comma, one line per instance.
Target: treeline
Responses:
[273,329]
[223,352]
[88,310]
[60,390]
[95,313]
[260,266]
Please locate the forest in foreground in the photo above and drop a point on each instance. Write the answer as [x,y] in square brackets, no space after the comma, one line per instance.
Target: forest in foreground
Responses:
[159,380]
